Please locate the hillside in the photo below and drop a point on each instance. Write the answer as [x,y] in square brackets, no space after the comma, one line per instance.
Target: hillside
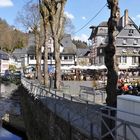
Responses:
[11,38]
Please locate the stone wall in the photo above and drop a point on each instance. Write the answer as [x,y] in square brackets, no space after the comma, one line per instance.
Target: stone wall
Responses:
[43,124]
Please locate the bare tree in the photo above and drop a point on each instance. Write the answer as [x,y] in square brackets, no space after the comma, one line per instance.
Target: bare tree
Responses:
[55,10]
[68,26]
[110,57]
[30,19]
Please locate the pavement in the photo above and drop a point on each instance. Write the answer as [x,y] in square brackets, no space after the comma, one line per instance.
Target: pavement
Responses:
[72,88]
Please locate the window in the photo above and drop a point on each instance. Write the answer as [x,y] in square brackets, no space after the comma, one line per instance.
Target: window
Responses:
[65,57]
[42,57]
[70,57]
[134,60]
[131,31]
[31,57]
[106,40]
[135,41]
[119,59]
[101,60]
[101,50]
[124,41]
[49,57]
[123,59]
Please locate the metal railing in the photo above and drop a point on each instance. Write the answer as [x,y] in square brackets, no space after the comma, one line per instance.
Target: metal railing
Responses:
[88,117]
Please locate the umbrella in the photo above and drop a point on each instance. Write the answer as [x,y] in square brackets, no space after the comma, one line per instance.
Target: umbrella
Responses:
[102,67]
[121,66]
[92,67]
[65,68]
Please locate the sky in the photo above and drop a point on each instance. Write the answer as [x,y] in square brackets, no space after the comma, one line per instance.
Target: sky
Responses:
[79,11]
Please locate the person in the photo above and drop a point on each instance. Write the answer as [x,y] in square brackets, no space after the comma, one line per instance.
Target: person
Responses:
[51,79]
[95,83]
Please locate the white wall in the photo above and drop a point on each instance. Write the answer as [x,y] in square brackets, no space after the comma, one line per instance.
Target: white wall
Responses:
[131,104]
[4,65]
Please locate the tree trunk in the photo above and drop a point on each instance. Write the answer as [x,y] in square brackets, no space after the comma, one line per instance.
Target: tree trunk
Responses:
[110,57]
[38,57]
[111,64]
[45,19]
[57,64]
[56,20]
[46,76]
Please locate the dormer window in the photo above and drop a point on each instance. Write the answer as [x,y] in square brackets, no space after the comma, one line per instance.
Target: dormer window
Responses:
[131,31]
[124,51]
[135,51]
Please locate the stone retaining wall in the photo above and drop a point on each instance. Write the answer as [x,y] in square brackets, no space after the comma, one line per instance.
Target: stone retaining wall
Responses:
[42,124]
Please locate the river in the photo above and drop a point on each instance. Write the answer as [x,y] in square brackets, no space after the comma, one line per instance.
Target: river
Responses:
[7,105]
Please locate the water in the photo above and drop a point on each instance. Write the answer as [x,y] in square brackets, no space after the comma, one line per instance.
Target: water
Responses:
[7,105]
[6,135]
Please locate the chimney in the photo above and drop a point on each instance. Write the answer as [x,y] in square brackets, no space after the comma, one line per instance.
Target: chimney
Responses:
[125,17]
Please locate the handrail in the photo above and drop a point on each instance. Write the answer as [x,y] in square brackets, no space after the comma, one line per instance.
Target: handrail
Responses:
[82,119]
[103,107]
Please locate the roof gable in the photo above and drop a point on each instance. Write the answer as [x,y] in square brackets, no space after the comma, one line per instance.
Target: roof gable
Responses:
[83,52]
[129,30]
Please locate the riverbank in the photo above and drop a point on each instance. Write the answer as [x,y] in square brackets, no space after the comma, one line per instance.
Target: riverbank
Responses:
[10,114]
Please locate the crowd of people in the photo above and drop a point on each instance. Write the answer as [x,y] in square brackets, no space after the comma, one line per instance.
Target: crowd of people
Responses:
[129,82]
[125,87]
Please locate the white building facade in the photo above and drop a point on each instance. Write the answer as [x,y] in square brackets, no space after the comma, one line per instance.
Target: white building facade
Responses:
[68,58]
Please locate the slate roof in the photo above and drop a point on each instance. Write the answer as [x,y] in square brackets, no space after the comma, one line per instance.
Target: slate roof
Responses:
[82,52]
[95,29]
[19,53]
[103,24]
[66,43]
[31,50]
[4,55]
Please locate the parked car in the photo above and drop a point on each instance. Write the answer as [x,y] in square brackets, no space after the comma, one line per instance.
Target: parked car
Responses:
[7,74]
